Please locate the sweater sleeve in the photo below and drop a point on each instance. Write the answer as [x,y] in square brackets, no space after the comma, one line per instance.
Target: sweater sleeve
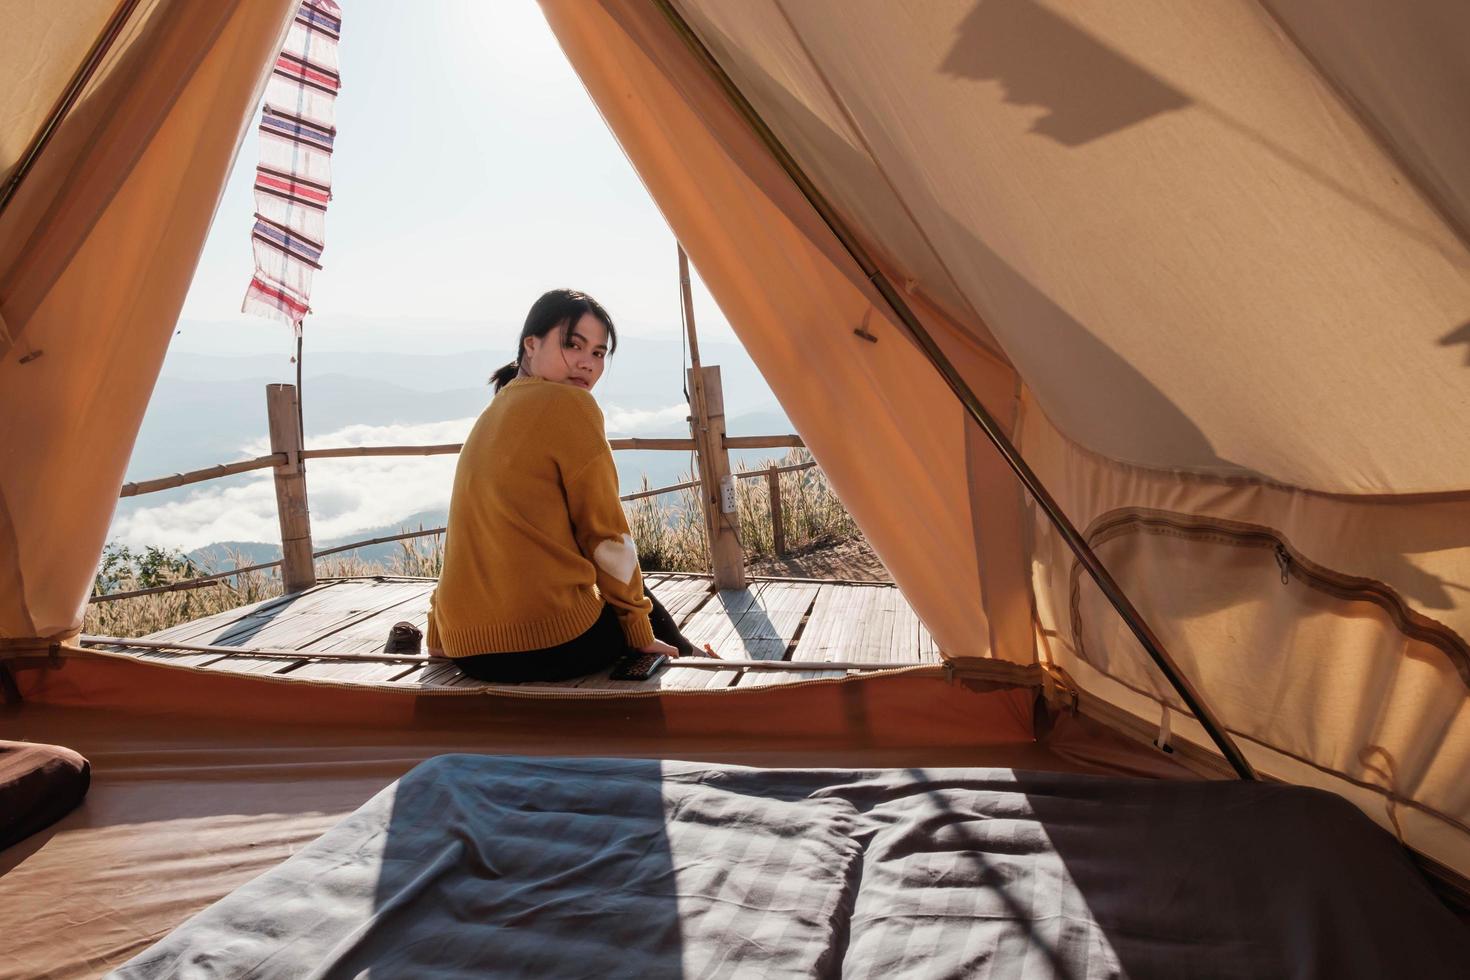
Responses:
[601,530]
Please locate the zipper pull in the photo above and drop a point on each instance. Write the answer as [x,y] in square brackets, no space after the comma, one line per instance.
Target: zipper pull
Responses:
[1283,562]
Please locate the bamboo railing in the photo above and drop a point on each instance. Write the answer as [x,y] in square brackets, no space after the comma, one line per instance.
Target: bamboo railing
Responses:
[445,449]
[289,469]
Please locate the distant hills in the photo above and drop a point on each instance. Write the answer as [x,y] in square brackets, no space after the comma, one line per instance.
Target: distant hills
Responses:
[206,408]
[209,409]
[224,555]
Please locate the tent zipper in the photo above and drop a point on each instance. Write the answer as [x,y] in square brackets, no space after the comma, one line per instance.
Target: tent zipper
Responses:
[1283,562]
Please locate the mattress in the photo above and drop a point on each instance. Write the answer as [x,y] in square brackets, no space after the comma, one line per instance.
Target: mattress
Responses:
[491,866]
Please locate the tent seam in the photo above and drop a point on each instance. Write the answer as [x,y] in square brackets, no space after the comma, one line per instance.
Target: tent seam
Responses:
[1248,480]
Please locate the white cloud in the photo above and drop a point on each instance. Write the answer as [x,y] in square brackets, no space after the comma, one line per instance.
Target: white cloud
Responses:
[240,513]
[636,421]
[346,496]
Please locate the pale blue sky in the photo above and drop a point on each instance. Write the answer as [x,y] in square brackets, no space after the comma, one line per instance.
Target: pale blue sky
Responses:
[471,173]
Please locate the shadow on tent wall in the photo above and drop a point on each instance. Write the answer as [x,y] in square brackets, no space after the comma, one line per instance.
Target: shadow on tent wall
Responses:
[1019,44]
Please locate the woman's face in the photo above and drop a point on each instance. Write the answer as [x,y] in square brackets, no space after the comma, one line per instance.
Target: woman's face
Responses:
[579,363]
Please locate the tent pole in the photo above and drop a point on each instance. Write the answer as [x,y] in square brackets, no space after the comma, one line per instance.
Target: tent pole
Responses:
[79,81]
[699,422]
[1083,551]
[726,554]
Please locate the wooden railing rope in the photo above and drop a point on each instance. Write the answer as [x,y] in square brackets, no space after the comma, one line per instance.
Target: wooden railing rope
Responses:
[199,582]
[288,458]
[215,578]
[444,449]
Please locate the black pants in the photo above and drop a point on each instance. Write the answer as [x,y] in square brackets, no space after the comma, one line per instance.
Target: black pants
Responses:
[596,649]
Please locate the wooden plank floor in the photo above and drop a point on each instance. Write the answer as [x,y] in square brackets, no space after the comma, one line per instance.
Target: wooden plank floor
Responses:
[771,620]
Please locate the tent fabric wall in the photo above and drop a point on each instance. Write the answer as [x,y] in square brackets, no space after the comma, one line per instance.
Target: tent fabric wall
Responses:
[38,55]
[1228,294]
[1403,67]
[97,249]
[1226,280]
[1185,237]
[1347,669]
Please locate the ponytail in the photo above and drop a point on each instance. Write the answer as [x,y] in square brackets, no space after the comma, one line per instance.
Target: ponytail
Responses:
[505,375]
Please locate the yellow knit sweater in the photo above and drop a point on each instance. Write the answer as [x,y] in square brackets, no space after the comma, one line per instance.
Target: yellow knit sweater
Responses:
[537,538]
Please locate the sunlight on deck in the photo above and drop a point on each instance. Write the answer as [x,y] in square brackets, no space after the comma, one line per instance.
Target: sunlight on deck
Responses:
[336,631]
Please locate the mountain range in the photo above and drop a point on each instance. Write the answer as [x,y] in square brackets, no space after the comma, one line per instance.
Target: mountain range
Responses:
[209,409]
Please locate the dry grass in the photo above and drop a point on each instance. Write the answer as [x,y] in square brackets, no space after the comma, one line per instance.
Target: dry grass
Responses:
[669,531]
[670,534]
[420,557]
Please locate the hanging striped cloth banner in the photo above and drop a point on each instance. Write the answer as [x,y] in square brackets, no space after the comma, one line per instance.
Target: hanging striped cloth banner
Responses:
[294,180]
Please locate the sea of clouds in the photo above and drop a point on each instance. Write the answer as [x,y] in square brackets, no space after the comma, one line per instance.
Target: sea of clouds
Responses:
[345,495]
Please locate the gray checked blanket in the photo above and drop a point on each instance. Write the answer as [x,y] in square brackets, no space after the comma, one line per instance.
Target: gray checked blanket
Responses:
[478,866]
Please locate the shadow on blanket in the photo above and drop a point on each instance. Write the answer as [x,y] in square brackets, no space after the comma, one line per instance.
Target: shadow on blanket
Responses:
[495,866]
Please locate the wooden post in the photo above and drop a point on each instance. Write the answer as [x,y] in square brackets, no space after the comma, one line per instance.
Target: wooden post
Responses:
[778,532]
[707,425]
[721,525]
[298,571]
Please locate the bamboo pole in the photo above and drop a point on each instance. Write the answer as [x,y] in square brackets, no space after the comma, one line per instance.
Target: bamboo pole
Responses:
[214,577]
[271,653]
[727,559]
[727,555]
[757,474]
[657,491]
[640,442]
[297,570]
[778,530]
[764,442]
[353,546]
[192,583]
[221,470]
[199,476]
[698,414]
[351,452]
[1068,532]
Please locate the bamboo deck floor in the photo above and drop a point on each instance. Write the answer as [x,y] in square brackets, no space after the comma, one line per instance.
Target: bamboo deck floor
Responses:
[798,621]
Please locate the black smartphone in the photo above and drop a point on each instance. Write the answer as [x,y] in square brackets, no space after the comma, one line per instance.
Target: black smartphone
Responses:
[637,666]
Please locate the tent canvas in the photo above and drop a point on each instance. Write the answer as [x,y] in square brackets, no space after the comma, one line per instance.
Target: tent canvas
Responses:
[1207,267]
[1158,284]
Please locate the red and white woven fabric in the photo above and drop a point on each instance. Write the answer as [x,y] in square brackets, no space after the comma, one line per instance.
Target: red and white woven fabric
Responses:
[293,182]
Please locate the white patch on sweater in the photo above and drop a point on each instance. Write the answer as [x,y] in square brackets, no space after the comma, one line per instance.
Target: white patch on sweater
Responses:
[619,558]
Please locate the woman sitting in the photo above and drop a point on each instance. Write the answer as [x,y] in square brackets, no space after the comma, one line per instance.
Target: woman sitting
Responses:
[541,579]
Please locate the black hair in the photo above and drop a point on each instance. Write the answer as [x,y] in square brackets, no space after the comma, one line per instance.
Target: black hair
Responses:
[557,308]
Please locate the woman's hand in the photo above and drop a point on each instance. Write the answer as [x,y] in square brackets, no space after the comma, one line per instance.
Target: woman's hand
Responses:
[659,646]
